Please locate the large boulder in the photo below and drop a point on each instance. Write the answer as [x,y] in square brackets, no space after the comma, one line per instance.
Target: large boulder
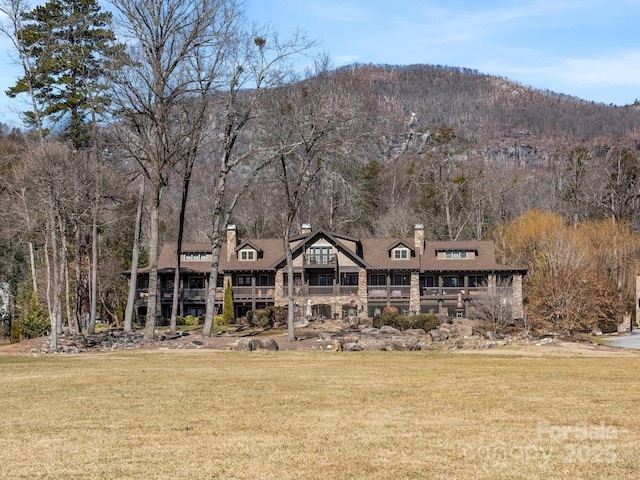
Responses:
[251,344]
[389,330]
[438,334]
[461,330]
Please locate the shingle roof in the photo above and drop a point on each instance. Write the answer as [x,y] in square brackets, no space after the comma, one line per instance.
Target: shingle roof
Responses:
[375,256]
[376,253]
[485,259]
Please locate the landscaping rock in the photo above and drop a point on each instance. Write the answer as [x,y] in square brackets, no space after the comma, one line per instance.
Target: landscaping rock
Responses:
[370,331]
[352,347]
[415,331]
[438,334]
[388,330]
[251,344]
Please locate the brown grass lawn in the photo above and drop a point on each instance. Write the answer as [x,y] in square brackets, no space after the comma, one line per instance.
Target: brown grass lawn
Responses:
[314,415]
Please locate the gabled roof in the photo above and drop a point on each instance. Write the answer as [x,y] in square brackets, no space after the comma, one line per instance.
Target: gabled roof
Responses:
[404,243]
[271,249]
[377,254]
[309,239]
[248,243]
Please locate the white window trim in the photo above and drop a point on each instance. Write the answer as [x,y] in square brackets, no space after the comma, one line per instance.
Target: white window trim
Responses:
[401,253]
[247,255]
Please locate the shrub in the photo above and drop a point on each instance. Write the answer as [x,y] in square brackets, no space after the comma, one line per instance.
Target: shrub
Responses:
[227,305]
[278,315]
[16,332]
[219,320]
[190,320]
[389,311]
[33,320]
[260,318]
[426,321]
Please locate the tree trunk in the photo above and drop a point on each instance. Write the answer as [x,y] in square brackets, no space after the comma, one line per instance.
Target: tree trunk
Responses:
[135,255]
[32,259]
[291,333]
[176,277]
[91,328]
[78,271]
[152,299]
[213,283]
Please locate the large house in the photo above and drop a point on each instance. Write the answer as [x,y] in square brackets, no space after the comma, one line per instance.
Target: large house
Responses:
[337,275]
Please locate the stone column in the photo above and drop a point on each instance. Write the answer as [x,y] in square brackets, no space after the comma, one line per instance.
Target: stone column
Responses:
[516,296]
[362,291]
[278,294]
[414,293]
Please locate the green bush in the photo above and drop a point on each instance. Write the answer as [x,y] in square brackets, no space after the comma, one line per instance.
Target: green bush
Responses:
[278,315]
[227,305]
[219,320]
[190,320]
[16,332]
[34,322]
[260,318]
[425,321]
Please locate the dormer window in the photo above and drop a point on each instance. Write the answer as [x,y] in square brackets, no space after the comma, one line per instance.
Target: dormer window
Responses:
[455,254]
[400,253]
[247,255]
[195,257]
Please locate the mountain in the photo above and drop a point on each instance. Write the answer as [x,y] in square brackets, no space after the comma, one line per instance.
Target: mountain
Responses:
[506,121]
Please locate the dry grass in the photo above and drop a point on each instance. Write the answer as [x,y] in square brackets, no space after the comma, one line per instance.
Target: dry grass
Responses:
[308,415]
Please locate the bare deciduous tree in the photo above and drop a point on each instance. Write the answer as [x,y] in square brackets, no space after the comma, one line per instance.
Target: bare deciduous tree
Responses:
[311,126]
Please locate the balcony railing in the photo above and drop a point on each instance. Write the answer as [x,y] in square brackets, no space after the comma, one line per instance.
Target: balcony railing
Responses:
[320,259]
[391,291]
[259,293]
[452,291]
[348,289]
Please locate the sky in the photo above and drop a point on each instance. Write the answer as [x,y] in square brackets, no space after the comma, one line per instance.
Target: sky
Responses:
[588,49]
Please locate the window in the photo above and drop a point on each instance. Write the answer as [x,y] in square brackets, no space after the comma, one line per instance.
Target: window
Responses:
[402,279]
[377,279]
[455,254]
[477,281]
[325,280]
[195,256]
[264,280]
[450,281]
[321,255]
[401,253]
[428,282]
[196,282]
[243,280]
[350,279]
[247,255]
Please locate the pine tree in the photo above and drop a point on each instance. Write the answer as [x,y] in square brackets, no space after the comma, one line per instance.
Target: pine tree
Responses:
[227,308]
[68,44]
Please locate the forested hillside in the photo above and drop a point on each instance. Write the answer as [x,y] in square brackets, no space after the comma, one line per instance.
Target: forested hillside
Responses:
[219,129]
[463,152]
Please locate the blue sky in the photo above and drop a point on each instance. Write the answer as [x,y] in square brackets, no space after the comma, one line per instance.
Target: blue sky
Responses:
[586,48]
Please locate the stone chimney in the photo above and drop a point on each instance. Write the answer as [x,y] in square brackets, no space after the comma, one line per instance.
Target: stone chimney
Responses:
[418,238]
[232,241]
[305,229]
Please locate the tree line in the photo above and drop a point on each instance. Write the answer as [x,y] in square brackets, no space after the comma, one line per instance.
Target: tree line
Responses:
[165,121]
